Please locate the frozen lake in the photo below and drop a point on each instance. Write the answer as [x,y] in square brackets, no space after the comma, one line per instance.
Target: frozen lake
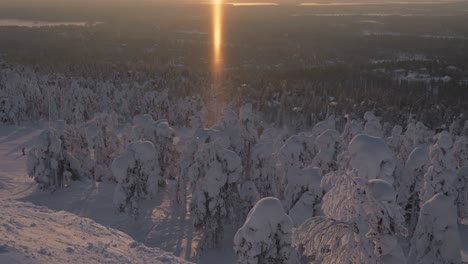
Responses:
[39,23]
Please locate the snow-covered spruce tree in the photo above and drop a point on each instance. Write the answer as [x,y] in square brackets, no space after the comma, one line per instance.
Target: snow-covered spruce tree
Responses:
[441,175]
[416,135]
[351,129]
[7,112]
[327,144]
[78,103]
[249,196]
[162,135]
[303,195]
[460,149]
[461,187]
[215,197]
[360,225]
[188,164]
[322,126]
[49,164]
[265,236]
[294,155]
[410,183]
[372,158]
[464,131]
[240,134]
[229,126]
[372,126]
[75,143]
[274,136]
[248,135]
[182,111]
[137,173]
[394,141]
[436,238]
[263,169]
[167,151]
[106,146]
[386,221]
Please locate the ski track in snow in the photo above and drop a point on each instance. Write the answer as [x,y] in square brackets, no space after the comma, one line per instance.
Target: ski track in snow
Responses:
[14,182]
[40,227]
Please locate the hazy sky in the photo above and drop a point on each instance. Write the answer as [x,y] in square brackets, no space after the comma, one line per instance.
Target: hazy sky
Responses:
[91,3]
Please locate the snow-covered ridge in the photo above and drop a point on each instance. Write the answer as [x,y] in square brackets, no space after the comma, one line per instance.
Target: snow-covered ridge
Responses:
[36,234]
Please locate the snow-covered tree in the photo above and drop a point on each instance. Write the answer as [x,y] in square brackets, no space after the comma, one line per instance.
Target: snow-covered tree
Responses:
[229,126]
[386,222]
[351,129]
[321,127]
[410,183]
[248,135]
[460,149]
[294,155]
[360,225]
[137,173]
[327,144]
[188,161]
[275,137]
[441,175]
[394,141]
[464,131]
[263,169]
[372,158]
[240,133]
[265,236]
[49,164]
[7,112]
[436,238]
[162,136]
[215,197]
[416,135]
[372,126]
[75,142]
[249,196]
[303,194]
[461,187]
[106,146]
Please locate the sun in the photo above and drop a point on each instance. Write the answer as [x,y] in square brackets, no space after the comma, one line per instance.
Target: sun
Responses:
[217,32]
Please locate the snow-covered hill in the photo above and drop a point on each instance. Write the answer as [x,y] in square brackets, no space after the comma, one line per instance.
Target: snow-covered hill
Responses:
[37,234]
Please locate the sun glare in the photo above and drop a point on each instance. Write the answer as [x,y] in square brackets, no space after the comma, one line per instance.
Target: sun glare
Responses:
[217,33]
[217,95]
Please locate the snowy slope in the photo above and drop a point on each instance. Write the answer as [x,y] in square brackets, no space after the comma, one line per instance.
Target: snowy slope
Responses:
[47,236]
[13,181]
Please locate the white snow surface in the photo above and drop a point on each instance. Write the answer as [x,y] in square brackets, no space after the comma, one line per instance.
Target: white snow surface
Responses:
[46,236]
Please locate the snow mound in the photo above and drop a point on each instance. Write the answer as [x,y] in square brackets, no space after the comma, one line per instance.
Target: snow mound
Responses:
[45,236]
